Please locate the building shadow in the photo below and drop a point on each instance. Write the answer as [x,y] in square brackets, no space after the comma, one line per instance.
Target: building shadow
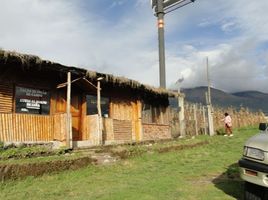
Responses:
[230,182]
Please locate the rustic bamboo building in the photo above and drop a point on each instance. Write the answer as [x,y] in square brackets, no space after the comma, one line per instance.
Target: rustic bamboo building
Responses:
[42,101]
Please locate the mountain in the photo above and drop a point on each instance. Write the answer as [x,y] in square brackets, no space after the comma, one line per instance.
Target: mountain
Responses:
[253,100]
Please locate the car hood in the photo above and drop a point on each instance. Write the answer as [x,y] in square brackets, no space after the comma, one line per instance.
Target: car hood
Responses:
[259,141]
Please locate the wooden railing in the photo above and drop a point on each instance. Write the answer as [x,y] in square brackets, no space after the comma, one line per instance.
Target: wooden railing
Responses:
[27,128]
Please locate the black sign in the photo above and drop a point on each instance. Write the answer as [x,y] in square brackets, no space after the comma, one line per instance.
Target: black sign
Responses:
[34,101]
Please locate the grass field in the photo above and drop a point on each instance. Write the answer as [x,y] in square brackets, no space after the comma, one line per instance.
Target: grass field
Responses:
[207,172]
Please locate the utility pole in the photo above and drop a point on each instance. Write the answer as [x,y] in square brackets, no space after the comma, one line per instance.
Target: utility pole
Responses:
[161,7]
[208,79]
[209,105]
[161,43]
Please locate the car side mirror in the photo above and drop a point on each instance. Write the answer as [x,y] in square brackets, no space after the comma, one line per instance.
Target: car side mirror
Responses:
[263,126]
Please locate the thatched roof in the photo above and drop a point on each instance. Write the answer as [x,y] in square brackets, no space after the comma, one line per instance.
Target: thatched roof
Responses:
[28,61]
[32,61]
[125,82]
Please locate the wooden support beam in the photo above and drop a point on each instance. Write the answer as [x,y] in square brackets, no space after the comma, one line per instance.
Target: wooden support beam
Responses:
[68,110]
[99,113]
[90,83]
[61,85]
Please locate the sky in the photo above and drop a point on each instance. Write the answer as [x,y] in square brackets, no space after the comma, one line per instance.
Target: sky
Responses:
[120,37]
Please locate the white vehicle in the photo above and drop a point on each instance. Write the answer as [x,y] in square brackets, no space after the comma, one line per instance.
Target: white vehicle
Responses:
[254,165]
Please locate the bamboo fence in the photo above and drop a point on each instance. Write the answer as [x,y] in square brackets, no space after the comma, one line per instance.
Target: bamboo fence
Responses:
[197,123]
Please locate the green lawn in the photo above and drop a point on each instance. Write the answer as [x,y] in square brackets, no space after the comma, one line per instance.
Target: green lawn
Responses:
[204,172]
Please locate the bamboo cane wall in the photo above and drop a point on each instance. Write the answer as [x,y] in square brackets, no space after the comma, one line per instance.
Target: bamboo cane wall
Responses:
[31,128]
[157,115]
[122,130]
[6,93]
[120,109]
[60,126]
[124,118]
[196,118]
[91,128]
[240,118]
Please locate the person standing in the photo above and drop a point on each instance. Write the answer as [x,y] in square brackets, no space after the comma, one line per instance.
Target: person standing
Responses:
[228,125]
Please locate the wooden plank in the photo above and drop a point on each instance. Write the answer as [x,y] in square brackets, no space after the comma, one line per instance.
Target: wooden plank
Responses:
[91,124]
[9,127]
[68,110]
[122,130]
[84,134]
[5,127]
[25,127]
[6,97]
[109,134]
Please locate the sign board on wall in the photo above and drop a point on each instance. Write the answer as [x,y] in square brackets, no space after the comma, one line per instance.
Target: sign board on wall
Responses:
[33,101]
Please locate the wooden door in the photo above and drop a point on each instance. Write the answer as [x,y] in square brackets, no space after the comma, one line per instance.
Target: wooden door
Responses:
[75,111]
[136,118]
[76,117]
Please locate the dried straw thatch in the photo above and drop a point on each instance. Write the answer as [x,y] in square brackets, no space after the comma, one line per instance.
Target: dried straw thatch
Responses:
[23,58]
[33,62]
[125,82]
[27,61]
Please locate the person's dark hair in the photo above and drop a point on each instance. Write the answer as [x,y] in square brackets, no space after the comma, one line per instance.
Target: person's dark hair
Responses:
[226,114]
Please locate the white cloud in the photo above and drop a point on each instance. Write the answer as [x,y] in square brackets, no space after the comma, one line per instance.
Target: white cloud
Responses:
[234,63]
[229,66]
[205,23]
[117,3]
[228,26]
[250,15]
[60,31]
[55,30]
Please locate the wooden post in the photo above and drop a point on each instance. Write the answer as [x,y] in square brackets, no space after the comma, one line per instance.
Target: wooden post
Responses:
[181,115]
[139,133]
[204,120]
[209,105]
[69,115]
[210,121]
[99,112]
[195,120]
[206,96]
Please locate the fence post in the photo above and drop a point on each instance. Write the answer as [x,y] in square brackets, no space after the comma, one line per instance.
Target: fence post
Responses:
[210,120]
[195,120]
[181,114]
[204,120]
